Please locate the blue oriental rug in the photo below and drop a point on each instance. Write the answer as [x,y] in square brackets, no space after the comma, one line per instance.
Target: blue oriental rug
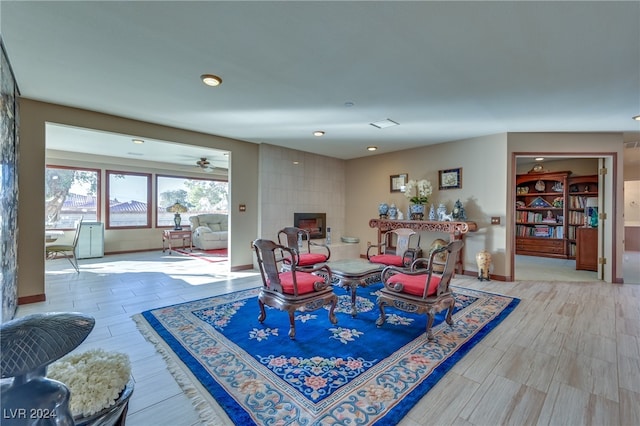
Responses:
[349,373]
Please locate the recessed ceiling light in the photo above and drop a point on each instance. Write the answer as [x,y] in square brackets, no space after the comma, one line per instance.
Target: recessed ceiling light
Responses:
[372,148]
[296,162]
[384,123]
[539,159]
[211,80]
[137,141]
[349,104]
[636,117]
[318,133]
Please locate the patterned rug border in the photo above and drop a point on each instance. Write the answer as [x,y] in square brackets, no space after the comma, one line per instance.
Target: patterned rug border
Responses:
[180,363]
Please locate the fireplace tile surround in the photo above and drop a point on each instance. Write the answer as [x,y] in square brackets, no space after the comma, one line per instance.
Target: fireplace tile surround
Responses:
[314,185]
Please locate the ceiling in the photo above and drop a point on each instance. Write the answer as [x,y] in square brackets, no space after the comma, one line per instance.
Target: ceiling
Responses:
[443,70]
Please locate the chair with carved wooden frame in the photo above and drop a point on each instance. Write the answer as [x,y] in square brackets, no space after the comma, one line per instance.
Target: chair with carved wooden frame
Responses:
[292,236]
[421,290]
[289,289]
[406,250]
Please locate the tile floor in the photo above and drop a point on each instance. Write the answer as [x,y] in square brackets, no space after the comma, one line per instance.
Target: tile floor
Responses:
[568,355]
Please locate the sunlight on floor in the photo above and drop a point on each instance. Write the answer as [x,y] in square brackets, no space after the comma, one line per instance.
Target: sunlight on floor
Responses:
[191,270]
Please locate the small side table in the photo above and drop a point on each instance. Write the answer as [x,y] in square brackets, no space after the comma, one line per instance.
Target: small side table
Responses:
[170,235]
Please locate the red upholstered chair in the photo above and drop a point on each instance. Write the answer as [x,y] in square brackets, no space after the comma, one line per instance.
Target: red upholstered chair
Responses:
[291,236]
[291,289]
[399,248]
[420,290]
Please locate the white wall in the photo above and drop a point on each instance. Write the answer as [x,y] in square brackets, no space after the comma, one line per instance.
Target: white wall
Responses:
[484,190]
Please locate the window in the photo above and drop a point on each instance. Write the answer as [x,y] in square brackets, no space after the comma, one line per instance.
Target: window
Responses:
[129,198]
[197,195]
[71,193]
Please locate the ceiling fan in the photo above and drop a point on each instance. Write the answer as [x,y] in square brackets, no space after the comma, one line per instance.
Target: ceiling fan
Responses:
[205,164]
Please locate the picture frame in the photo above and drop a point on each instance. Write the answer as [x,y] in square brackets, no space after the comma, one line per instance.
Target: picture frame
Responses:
[450,178]
[398,182]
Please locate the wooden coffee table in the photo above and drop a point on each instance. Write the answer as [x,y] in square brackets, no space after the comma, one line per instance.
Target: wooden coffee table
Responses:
[354,273]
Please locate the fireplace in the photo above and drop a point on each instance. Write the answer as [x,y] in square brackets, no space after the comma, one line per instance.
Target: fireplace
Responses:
[315,223]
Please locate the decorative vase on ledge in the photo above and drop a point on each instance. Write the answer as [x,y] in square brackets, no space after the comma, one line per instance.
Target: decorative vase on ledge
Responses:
[393,212]
[417,211]
[383,210]
[432,213]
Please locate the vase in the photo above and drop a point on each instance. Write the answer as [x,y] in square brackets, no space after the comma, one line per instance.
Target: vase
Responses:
[417,211]
[432,213]
[442,211]
[393,212]
[383,210]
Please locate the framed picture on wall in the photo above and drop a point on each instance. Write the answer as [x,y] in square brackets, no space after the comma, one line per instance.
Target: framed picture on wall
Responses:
[398,182]
[450,179]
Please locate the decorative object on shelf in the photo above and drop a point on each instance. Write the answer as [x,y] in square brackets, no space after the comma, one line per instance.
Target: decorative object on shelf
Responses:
[442,211]
[557,187]
[393,212]
[432,213]
[540,186]
[450,179]
[537,168]
[418,192]
[521,190]
[27,346]
[417,211]
[400,215]
[549,217]
[573,188]
[558,202]
[591,212]
[177,208]
[458,212]
[520,204]
[398,182]
[383,210]
[540,203]
[483,260]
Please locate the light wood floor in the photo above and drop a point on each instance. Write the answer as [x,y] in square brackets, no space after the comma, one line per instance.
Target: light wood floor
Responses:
[568,355]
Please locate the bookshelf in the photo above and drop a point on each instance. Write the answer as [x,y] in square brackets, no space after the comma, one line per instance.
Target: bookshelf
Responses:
[540,214]
[582,194]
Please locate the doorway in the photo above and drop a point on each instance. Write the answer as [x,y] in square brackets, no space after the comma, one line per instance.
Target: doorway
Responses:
[545,265]
[195,177]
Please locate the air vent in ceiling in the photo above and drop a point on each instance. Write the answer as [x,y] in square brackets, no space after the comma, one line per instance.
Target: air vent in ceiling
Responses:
[384,123]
